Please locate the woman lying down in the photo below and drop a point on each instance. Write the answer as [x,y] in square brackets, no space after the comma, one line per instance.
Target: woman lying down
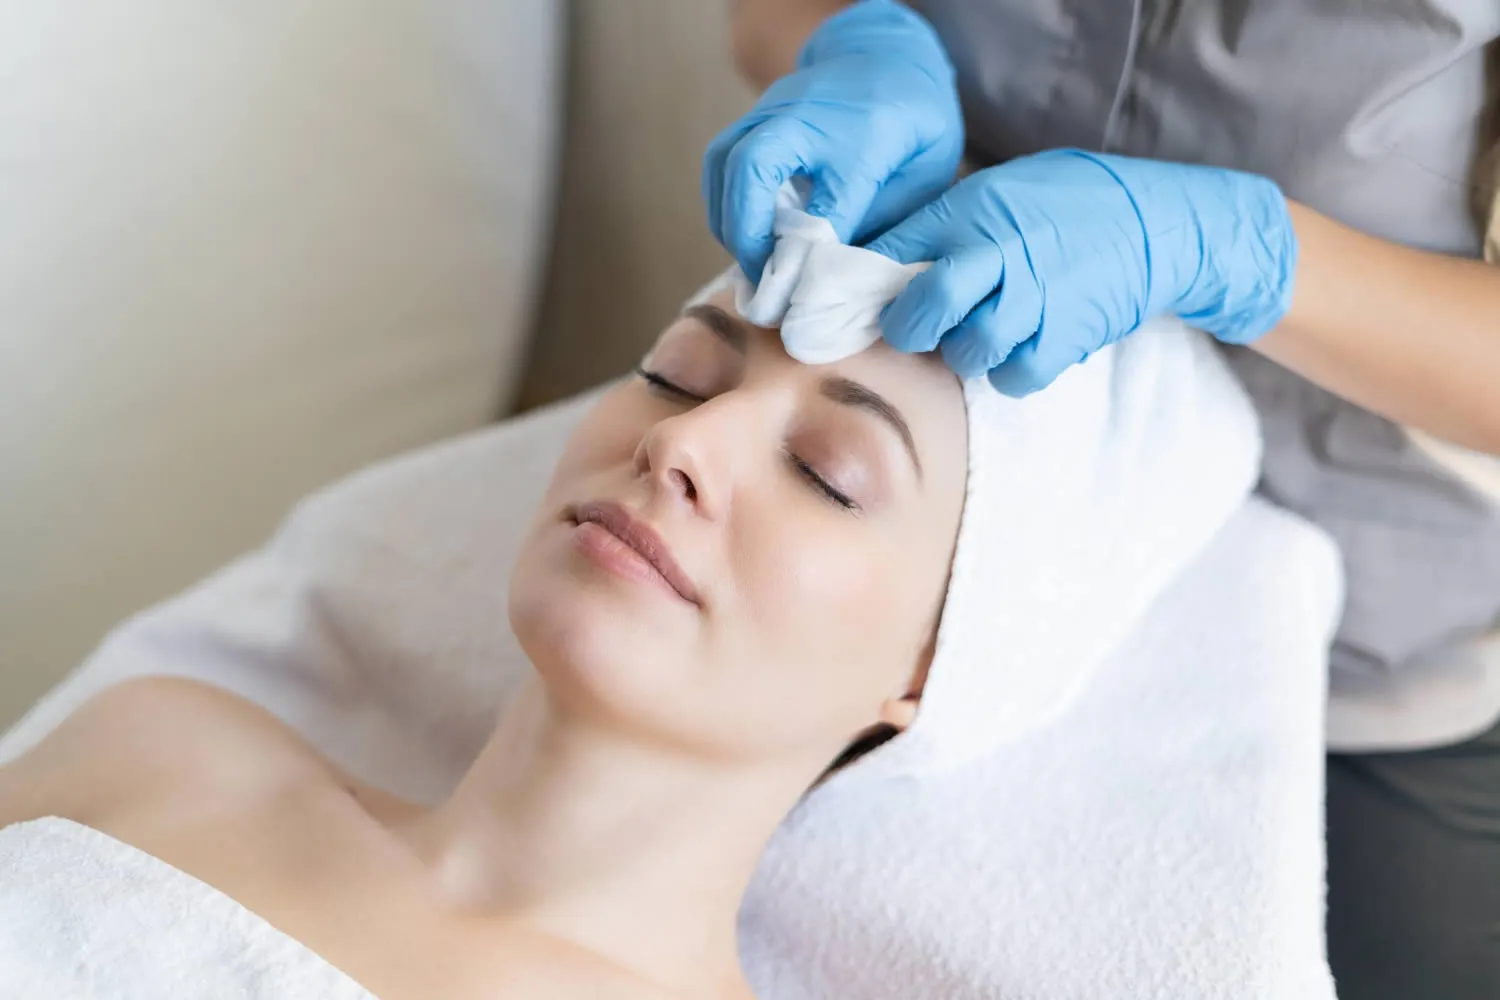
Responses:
[737,573]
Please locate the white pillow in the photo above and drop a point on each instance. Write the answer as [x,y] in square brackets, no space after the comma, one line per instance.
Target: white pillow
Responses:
[245,249]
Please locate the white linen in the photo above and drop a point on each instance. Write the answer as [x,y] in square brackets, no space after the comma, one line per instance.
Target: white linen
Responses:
[246,249]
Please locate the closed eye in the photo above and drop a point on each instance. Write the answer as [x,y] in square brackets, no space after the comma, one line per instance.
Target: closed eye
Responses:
[665,387]
[817,482]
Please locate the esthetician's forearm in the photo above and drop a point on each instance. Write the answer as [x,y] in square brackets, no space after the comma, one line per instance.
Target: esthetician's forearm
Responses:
[767,35]
[1413,336]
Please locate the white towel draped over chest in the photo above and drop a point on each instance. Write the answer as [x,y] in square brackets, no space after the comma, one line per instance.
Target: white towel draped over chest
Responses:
[85,915]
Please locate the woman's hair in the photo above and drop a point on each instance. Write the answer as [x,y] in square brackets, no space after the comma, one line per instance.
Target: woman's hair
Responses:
[864,743]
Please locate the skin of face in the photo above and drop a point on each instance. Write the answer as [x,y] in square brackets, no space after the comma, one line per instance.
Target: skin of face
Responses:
[814,547]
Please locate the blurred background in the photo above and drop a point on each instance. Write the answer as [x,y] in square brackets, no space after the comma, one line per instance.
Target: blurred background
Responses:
[246,249]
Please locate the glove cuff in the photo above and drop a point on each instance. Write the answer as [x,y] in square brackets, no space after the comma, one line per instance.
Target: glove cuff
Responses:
[1220,245]
[1253,273]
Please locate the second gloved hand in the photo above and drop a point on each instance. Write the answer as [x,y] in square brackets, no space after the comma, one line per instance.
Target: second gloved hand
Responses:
[870,118]
[1042,261]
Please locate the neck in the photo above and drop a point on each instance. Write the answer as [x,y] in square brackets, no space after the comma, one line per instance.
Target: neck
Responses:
[632,852]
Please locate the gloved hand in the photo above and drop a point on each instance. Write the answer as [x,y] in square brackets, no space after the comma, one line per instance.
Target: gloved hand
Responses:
[1043,260]
[871,117]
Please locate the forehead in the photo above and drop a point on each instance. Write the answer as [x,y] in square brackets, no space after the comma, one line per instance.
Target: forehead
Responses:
[923,377]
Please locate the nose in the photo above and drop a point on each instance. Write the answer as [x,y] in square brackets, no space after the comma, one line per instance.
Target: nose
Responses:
[694,458]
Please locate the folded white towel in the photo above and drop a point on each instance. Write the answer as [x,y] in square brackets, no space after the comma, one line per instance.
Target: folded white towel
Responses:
[84,915]
[1162,839]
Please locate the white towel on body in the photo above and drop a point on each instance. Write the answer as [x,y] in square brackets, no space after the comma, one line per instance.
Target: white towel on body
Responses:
[83,915]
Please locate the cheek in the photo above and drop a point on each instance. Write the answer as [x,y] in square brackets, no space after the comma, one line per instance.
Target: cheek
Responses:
[821,580]
[829,610]
[606,438]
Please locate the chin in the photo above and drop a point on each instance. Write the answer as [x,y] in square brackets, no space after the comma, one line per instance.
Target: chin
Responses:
[593,640]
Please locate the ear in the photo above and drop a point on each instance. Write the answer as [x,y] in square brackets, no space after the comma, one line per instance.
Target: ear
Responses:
[900,711]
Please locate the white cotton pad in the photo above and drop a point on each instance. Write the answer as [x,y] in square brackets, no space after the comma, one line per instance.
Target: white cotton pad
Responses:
[825,296]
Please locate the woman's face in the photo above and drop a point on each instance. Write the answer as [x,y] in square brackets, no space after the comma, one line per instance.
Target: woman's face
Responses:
[741,555]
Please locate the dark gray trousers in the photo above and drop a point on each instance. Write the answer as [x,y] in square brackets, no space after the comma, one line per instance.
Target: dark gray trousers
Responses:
[1414,873]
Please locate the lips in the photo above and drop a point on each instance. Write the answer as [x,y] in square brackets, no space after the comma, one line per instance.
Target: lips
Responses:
[642,539]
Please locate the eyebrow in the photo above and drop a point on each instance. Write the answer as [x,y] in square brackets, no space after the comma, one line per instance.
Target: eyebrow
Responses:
[730,329]
[851,393]
[735,332]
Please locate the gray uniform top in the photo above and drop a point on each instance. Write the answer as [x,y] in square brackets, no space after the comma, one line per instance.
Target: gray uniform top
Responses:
[1378,114]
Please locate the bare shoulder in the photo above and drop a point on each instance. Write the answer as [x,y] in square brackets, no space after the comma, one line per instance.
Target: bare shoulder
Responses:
[148,740]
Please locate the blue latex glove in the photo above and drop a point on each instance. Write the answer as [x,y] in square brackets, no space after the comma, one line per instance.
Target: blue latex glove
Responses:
[1043,260]
[870,117]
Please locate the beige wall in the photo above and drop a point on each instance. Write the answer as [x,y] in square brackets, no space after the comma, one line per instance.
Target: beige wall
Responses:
[233,278]
[651,82]
[245,249]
